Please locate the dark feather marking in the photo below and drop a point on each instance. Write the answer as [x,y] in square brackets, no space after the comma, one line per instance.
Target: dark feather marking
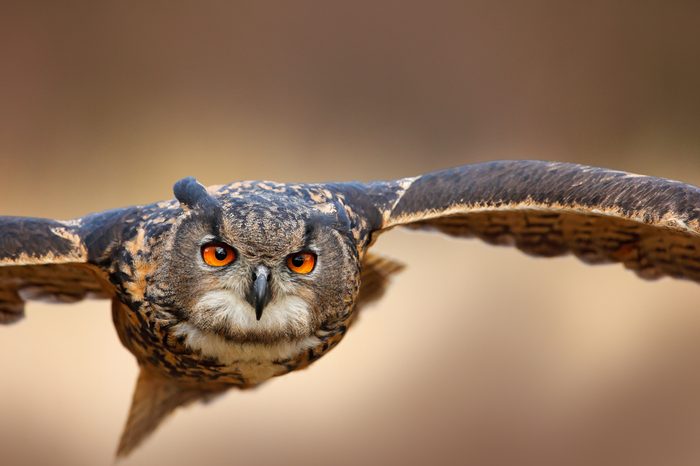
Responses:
[33,237]
[368,200]
[102,232]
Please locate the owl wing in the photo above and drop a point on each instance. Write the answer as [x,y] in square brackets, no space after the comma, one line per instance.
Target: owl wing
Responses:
[50,260]
[651,225]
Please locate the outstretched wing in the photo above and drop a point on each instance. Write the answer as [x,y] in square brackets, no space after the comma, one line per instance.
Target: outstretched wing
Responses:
[50,260]
[651,225]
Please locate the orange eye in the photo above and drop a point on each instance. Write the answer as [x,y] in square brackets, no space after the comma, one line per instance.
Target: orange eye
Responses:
[301,262]
[218,254]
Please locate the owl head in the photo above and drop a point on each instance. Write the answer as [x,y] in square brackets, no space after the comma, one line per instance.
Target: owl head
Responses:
[267,267]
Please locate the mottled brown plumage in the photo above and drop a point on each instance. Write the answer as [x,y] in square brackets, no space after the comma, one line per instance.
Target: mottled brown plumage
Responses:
[197,330]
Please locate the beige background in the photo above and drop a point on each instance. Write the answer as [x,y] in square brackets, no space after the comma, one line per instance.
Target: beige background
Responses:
[477,355]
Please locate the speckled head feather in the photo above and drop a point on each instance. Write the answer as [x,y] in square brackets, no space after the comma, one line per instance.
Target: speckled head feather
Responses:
[234,284]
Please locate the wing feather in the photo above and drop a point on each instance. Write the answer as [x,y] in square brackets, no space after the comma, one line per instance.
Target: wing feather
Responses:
[377,272]
[49,260]
[651,225]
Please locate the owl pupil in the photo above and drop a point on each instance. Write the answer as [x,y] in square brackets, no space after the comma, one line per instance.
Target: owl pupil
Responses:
[220,253]
[297,261]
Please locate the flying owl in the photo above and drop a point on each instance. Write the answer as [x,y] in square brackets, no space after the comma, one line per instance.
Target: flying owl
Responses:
[231,285]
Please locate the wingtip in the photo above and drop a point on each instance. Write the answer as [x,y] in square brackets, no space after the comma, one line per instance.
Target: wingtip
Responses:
[11,313]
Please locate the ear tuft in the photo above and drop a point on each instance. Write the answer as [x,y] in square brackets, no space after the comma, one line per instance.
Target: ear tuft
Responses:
[191,193]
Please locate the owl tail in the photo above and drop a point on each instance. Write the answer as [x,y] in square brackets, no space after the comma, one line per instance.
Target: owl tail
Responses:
[154,399]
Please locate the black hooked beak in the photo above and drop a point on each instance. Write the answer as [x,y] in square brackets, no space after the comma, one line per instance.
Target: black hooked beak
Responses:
[260,292]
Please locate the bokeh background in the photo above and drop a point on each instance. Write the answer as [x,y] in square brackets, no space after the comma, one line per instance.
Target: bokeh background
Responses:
[476,355]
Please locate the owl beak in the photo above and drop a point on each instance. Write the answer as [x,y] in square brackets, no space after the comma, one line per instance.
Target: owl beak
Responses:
[260,294]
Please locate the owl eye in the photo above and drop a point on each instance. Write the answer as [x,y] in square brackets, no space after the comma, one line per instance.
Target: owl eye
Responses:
[301,262]
[218,254]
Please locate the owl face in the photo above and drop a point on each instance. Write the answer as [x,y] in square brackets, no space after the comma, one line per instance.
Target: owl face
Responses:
[256,270]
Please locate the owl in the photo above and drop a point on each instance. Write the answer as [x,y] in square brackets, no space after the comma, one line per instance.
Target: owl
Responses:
[231,285]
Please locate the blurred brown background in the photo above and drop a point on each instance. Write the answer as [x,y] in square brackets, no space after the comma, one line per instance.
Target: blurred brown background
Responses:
[521,361]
